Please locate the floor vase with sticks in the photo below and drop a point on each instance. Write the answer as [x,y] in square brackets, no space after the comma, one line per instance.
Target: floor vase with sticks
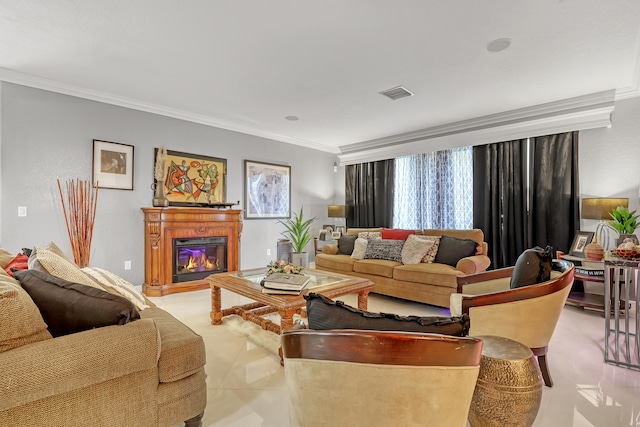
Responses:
[79,200]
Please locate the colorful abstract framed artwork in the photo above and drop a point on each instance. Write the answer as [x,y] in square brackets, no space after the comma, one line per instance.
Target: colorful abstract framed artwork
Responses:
[195,180]
[267,191]
[112,165]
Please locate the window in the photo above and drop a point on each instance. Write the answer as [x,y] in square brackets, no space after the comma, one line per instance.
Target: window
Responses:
[434,190]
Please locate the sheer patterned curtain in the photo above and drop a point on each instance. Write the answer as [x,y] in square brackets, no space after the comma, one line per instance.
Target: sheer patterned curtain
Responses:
[434,190]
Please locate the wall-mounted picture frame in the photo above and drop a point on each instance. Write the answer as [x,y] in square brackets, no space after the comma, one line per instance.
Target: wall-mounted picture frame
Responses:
[194,179]
[582,239]
[112,165]
[267,190]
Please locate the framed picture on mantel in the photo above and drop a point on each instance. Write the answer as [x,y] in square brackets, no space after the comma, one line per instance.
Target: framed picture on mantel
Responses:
[195,180]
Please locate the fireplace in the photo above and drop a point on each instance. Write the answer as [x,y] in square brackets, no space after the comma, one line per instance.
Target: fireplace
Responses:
[196,258]
[175,235]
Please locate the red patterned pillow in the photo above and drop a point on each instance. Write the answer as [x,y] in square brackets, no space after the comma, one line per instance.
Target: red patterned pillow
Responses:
[396,233]
[20,262]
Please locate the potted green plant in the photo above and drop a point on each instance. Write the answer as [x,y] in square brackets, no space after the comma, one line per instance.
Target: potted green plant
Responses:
[624,221]
[298,231]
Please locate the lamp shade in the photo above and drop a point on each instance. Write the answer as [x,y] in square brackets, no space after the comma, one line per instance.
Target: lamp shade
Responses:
[337,211]
[599,207]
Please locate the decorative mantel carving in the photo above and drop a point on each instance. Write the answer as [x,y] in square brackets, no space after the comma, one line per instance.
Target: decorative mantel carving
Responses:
[162,225]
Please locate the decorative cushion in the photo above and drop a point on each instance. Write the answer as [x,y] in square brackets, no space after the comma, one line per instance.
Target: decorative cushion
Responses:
[22,322]
[359,248]
[384,249]
[116,285]
[56,250]
[396,233]
[45,260]
[415,249]
[69,307]
[5,257]
[370,235]
[451,250]
[324,313]
[430,256]
[20,262]
[532,266]
[346,243]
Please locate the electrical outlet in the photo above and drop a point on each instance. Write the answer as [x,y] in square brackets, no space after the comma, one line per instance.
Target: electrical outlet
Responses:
[22,211]
[268,252]
[127,265]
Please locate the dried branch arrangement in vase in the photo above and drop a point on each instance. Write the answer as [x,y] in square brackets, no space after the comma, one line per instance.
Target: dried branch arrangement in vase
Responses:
[79,200]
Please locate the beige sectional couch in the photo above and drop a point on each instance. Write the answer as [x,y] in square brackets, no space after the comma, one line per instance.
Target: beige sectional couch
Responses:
[146,371]
[430,283]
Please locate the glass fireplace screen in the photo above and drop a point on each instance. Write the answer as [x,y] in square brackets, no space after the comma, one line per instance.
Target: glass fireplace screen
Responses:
[196,258]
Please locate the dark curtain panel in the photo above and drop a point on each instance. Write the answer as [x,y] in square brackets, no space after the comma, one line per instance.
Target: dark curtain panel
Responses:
[369,194]
[500,199]
[556,193]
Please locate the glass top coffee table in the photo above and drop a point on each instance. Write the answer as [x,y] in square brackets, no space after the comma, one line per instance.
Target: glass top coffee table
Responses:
[247,284]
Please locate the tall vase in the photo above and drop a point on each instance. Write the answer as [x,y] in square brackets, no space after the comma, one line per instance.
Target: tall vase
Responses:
[159,198]
[300,258]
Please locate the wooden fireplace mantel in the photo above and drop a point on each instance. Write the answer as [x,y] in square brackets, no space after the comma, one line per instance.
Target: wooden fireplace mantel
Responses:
[162,225]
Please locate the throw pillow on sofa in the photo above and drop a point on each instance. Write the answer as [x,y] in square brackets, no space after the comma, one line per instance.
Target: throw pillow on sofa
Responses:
[47,261]
[324,313]
[20,262]
[346,244]
[116,285]
[451,250]
[433,250]
[68,307]
[396,233]
[22,322]
[370,235]
[384,249]
[532,266]
[415,249]
[359,248]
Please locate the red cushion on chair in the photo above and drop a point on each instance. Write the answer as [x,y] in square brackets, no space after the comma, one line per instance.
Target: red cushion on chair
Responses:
[396,233]
[20,262]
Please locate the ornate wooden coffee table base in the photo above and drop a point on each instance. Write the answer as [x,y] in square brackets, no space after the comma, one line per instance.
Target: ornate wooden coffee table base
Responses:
[246,283]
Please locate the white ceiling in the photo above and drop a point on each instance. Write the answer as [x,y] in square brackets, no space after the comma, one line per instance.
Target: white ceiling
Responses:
[246,64]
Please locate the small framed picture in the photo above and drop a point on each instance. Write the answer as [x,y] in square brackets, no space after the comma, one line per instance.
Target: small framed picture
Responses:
[112,165]
[336,235]
[582,239]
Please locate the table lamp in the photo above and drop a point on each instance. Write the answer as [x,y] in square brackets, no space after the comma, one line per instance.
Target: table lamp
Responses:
[598,208]
[337,211]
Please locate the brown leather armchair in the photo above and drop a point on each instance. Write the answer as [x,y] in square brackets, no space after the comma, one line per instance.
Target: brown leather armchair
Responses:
[361,377]
[528,314]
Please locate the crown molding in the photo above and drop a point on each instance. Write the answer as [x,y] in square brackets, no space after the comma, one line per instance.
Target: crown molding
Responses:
[584,112]
[24,79]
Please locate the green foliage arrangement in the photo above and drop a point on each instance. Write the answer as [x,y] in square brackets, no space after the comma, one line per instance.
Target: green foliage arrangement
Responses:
[624,222]
[298,231]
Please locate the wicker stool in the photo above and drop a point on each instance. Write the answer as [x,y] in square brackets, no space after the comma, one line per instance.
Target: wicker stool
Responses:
[509,387]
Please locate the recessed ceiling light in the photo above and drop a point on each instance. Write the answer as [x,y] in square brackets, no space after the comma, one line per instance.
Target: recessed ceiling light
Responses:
[498,45]
[292,118]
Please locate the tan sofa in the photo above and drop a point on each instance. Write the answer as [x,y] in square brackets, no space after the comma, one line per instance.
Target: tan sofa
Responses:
[148,372]
[427,283]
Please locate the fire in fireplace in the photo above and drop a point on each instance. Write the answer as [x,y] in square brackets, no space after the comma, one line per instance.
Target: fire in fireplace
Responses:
[196,258]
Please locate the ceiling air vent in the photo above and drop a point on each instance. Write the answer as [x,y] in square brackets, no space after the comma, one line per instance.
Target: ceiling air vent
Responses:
[396,93]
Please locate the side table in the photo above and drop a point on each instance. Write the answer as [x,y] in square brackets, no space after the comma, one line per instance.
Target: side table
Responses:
[622,327]
[586,272]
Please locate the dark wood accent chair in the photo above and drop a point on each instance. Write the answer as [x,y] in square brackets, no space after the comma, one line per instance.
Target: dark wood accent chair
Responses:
[362,377]
[528,314]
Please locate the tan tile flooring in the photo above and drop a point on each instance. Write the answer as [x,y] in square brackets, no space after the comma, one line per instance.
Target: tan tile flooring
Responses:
[246,386]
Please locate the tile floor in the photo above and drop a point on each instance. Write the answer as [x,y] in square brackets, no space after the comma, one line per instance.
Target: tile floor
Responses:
[246,386]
